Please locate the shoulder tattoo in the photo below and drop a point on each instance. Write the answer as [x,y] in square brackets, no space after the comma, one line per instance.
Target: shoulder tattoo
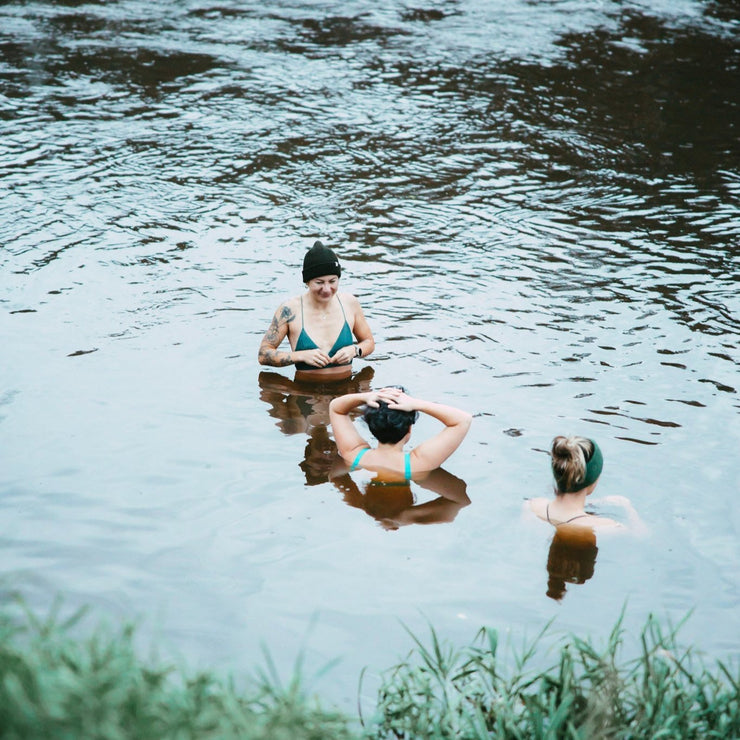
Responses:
[283,316]
[286,315]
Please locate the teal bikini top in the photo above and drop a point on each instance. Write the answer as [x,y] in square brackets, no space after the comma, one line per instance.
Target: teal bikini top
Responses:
[344,339]
[406,463]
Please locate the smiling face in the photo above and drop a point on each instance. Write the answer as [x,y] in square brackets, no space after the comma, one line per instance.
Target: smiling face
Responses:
[323,288]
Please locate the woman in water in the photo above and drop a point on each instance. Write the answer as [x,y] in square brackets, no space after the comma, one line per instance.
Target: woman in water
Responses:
[326,329]
[390,413]
[576,465]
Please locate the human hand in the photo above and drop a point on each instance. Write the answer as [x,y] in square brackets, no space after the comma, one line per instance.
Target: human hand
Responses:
[345,355]
[313,357]
[372,398]
[397,399]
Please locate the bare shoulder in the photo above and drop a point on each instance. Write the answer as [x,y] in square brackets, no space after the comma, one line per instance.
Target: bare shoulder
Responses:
[537,506]
[288,309]
[348,299]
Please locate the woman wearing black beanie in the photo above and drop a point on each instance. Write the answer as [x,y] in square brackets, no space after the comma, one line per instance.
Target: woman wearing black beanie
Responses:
[326,329]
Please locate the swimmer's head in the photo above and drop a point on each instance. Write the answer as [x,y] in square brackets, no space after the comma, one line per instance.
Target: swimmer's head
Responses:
[576,463]
[389,425]
[319,261]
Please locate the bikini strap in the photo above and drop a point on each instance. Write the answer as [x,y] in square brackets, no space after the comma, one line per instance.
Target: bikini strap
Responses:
[358,458]
[568,521]
[407,466]
[342,307]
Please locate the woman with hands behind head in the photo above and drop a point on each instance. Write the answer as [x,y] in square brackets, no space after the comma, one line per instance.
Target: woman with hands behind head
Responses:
[326,329]
[390,414]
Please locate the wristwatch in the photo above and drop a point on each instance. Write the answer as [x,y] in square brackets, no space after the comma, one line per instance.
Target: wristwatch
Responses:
[359,350]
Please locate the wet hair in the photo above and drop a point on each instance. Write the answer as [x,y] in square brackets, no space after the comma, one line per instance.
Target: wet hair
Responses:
[389,425]
[576,463]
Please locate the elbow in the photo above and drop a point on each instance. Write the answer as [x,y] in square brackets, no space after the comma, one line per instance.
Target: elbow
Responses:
[265,354]
[265,357]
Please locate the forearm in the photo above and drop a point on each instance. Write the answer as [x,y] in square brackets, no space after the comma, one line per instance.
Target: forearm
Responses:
[268,355]
[364,347]
[344,404]
[448,415]
[633,520]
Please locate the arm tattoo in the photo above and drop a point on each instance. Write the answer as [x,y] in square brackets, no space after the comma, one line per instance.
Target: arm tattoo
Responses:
[275,358]
[272,332]
[269,355]
[286,315]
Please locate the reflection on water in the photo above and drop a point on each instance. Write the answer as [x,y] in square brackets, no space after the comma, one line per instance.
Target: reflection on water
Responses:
[393,504]
[302,407]
[571,559]
[538,207]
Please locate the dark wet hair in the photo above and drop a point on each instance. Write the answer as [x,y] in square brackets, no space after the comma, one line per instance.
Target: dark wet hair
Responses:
[389,425]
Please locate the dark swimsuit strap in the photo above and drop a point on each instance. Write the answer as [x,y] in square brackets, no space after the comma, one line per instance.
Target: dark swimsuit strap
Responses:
[572,519]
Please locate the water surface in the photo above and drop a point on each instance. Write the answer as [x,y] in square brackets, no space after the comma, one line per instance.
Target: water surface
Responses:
[538,206]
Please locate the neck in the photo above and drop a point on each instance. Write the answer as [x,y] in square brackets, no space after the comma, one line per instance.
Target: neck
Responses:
[573,501]
[318,303]
[392,447]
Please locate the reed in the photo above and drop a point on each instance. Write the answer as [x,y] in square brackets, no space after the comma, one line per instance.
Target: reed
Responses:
[54,685]
[472,694]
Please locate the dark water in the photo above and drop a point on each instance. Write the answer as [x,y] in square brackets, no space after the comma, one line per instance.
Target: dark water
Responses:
[538,204]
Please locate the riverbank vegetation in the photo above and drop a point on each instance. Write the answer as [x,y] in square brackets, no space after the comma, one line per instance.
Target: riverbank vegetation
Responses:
[54,684]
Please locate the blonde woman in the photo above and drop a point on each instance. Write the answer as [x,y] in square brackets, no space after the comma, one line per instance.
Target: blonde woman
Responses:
[577,463]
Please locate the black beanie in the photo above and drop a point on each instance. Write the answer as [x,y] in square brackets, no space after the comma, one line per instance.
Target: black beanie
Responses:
[320,260]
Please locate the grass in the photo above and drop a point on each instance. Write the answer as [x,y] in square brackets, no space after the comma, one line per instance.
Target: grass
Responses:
[469,694]
[54,686]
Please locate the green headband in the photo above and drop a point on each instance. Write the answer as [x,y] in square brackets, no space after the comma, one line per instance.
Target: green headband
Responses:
[593,470]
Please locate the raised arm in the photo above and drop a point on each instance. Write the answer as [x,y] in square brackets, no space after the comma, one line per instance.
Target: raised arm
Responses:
[349,442]
[433,452]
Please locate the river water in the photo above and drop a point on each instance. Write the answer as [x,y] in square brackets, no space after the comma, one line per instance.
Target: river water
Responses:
[538,205]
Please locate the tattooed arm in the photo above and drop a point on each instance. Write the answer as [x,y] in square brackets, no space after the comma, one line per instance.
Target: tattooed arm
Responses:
[268,352]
